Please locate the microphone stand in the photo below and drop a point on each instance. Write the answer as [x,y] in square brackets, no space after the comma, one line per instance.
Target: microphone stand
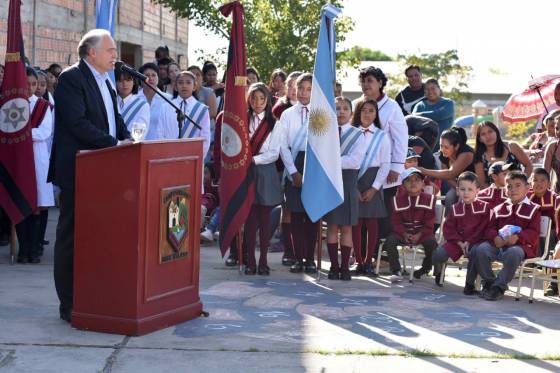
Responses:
[180,115]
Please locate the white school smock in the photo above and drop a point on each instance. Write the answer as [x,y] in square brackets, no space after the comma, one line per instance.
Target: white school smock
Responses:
[41,135]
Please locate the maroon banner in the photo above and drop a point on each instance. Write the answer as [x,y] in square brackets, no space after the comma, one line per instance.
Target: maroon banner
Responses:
[18,190]
[237,187]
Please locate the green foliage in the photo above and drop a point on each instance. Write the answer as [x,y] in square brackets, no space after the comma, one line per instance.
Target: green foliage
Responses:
[364,54]
[279,33]
[518,131]
[445,67]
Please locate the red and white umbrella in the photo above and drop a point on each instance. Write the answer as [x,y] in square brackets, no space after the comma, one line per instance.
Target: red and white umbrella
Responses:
[532,102]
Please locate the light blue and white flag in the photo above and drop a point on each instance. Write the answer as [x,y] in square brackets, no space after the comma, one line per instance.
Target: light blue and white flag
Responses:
[322,184]
[105,15]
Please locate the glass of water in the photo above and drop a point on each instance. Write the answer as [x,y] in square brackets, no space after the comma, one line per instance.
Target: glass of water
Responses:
[137,130]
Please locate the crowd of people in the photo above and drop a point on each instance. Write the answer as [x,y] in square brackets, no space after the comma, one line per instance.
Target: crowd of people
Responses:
[399,157]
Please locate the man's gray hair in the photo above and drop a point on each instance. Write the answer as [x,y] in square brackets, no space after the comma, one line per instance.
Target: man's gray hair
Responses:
[92,39]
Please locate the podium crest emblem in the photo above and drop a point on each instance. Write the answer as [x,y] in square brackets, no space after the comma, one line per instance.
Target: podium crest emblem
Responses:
[175,218]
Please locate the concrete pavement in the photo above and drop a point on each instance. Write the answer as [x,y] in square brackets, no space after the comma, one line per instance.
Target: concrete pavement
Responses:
[286,323]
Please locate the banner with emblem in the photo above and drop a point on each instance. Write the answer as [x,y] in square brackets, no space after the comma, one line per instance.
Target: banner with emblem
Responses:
[18,189]
[322,189]
[237,187]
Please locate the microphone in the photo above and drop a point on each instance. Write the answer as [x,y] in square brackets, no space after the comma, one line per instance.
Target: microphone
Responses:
[121,66]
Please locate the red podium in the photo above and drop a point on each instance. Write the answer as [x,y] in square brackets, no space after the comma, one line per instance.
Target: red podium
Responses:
[137,237]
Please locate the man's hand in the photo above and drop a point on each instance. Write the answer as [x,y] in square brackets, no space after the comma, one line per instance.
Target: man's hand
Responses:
[392,177]
[414,238]
[297,179]
[499,242]
[368,195]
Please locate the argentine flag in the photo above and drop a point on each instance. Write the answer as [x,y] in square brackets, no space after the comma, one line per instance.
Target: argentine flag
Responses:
[105,14]
[322,189]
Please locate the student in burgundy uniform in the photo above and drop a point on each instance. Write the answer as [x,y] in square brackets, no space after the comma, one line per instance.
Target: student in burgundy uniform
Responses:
[465,225]
[495,194]
[294,123]
[352,151]
[286,102]
[517,210]
[265,145]
[548,200]
[412,223]
[373,172]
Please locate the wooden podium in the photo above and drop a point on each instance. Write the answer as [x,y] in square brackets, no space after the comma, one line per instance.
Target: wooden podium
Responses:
[137,236]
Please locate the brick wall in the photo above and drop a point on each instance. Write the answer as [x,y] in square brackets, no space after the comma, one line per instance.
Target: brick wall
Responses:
[60,25]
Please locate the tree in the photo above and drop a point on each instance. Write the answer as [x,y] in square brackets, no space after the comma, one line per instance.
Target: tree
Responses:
[445,67]
[279,33]
[365,54]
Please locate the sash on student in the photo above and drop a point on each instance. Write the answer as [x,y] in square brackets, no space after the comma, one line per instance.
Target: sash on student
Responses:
[259,137]
[297,145]
[373,147]
[348,139]
[196,113]
[129,114]
[39,112]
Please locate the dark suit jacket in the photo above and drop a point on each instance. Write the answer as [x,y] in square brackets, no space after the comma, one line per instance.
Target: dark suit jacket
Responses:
[80,122]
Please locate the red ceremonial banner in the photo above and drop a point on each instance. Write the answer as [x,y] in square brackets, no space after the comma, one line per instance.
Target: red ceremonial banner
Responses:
[18,189]
[237,187]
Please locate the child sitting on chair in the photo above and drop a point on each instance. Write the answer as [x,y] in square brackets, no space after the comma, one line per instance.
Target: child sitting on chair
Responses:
[511,249]
[412,222]
[464,226]
[495,193]
[412,159]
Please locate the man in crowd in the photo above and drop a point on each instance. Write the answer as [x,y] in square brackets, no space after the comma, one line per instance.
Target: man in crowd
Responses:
[414,92]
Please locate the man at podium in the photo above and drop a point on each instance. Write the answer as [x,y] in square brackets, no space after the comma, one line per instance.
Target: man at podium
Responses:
[86,118]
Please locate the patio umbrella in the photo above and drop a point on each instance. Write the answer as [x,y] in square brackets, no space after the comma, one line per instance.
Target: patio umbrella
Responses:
[533,101]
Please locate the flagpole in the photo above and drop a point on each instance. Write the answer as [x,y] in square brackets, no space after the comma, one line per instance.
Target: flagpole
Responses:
[13,244]
[240,250]
[320,250]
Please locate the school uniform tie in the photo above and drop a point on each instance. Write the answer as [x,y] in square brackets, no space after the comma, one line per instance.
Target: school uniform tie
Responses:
[366,130]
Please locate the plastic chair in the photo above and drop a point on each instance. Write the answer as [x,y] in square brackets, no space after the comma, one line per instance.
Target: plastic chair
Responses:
[524,269]
[546,275]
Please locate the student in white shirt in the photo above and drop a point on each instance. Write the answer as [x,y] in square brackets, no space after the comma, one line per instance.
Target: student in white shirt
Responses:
[196,110]
[155,101]
[374,169]
[352,151]
[294,122]
[133,108]
[265,137]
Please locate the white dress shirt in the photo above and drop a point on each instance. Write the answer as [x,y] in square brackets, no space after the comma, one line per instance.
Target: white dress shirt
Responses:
[270,148]
[393,123]
[382,157]
[156,107]
[291,121]
[101,79]
[169,128]
[353,160]
[142,116]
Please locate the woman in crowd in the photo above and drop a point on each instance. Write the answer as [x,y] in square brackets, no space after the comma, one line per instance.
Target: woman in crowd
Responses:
[156,102]
[42,87]
[552,153]
[490,148]
[536,143]
[455,157]
[53,71]
[210,78]
[172,70]
[436,107]
[133,107]
[277,83]
[252,76]
[290,99]
[265,140]
[204,94]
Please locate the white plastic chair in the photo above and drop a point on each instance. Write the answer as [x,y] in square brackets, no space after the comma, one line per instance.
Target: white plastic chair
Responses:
[524,269]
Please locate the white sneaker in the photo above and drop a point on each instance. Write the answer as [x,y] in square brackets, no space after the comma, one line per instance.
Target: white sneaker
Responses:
[396,277]
[207,236]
